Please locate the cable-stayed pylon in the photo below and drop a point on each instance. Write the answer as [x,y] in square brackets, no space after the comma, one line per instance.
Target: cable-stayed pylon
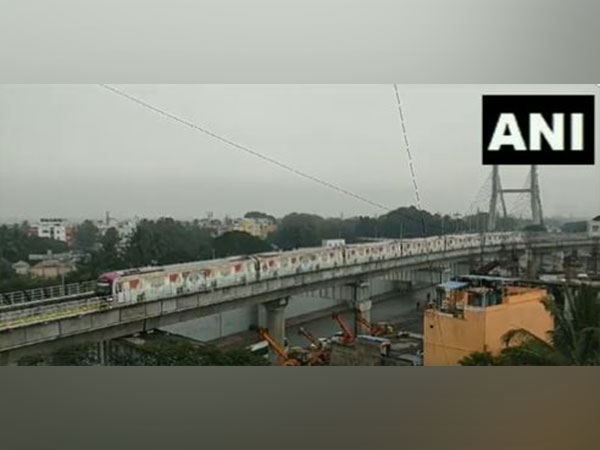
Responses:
[533,189]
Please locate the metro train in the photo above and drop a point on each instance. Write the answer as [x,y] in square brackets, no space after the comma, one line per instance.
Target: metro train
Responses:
[152,283]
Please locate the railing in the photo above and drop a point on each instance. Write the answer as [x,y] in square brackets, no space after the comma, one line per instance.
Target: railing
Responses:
[11,319]
[47,293]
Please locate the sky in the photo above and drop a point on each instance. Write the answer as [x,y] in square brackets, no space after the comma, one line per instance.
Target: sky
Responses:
[76,151]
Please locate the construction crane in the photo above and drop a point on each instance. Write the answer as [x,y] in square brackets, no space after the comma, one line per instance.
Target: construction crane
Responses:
[347,336]
[310,338]
[319,353]
[284,359]
[487,268]
[375,329]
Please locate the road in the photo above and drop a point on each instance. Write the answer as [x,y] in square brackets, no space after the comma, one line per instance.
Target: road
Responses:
[399,310]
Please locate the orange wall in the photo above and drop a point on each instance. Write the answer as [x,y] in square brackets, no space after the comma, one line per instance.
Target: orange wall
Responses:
[447,339]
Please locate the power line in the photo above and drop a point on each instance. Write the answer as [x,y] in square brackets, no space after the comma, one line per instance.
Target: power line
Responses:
[260,155]
[406,144]
[244,148]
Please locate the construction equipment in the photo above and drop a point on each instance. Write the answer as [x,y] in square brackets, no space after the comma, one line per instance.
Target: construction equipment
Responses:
[377,330]
[487,268]
[318,355]
[284,359]
[310,338]
[347,338]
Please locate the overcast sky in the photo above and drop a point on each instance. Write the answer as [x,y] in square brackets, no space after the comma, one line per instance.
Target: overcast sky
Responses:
[78,150]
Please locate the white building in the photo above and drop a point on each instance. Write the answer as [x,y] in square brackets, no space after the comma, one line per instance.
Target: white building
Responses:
[593,227]
[53,228]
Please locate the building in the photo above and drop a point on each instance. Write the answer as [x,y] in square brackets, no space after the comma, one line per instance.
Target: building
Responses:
[472,315]
[593,227]
[258,227]
[21,268]
[53,228]
[51,268]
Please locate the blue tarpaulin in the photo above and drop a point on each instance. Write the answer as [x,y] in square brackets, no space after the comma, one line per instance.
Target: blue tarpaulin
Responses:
[453,285]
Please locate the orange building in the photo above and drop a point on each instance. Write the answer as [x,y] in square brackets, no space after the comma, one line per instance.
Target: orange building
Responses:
[470,318]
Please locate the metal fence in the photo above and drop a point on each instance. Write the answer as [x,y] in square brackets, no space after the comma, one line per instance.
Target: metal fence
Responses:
[47,293]
[10,319]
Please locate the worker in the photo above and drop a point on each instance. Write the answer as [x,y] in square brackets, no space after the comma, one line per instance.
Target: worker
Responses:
[429,302]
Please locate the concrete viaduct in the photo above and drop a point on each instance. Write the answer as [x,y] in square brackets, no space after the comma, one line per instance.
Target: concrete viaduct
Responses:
[43,328]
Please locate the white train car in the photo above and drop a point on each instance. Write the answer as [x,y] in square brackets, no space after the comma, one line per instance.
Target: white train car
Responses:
[434,244]
[273,265]
[412,247]
[152,283]
[392,249]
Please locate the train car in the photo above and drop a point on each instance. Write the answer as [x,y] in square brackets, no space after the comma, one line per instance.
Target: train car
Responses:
[434,244]
[151,283]
[392,249]
[372,251]
[412,247]
[274,265]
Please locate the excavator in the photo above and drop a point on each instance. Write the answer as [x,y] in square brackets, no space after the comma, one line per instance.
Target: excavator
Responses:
[284,359]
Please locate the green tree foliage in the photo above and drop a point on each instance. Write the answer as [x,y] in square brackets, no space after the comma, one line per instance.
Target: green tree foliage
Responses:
[6,270]
[574,227]
[86,235]
[480,359]
[574,341]
[239,243]
[306,230]
[259,215]
[167,241]
[299,230]
[162,352]
[16,244]
[77,355]
[166,353]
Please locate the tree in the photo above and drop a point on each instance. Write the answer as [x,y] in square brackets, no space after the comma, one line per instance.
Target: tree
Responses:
[86,235]
[480,359]
[6,270]
[239,243]
[167,241]
[299,230]
[259,215]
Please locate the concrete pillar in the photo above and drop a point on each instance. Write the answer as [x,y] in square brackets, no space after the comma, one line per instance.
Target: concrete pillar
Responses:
[362,309]
[102,353]
[533,264]
[276,323]
[261,316]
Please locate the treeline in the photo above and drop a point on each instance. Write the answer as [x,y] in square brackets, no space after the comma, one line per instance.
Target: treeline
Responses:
[154,353]
[308,230]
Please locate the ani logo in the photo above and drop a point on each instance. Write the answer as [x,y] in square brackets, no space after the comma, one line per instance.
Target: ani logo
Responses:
[538,129]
